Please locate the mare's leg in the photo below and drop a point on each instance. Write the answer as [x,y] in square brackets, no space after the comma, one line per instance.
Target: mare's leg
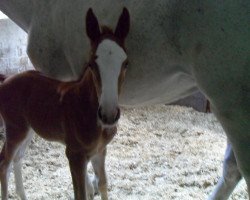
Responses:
[235,121]
[17,164]
[100,181]
[14,138]
[224,78]
[78,168]
[230,178]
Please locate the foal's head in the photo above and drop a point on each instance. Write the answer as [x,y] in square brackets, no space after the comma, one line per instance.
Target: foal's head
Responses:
[108,64]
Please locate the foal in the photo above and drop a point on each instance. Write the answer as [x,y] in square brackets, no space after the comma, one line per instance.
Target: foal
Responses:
[80,114]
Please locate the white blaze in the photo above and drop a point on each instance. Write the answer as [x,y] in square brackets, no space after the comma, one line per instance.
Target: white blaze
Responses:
[110,57]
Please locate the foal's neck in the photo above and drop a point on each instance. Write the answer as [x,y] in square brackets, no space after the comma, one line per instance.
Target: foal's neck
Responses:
[87,88]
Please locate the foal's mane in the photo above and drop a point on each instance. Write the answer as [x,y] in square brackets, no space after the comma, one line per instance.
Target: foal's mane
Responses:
[64,87]
[106,31]
[82,74]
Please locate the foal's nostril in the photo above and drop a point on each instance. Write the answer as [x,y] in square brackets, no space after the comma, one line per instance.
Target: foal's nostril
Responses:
[101,116]
[99,113]
[109,119]
[118,114]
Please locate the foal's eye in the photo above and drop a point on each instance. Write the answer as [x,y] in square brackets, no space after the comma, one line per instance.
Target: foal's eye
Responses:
[126,65]
[91,65]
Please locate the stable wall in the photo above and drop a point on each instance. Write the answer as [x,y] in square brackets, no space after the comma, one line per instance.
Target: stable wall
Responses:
[13,41]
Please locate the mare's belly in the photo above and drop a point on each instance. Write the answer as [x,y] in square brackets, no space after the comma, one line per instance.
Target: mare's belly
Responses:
[157,89]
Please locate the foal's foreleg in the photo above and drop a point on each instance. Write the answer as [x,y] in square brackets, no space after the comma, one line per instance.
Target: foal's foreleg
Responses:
[98,163]
[89,188]
[78,168]
[230,178]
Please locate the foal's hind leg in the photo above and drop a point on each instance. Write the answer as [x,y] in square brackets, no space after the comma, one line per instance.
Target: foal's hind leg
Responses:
[230,178]
[100,181]
[17,165]
[4,173]
[14,138]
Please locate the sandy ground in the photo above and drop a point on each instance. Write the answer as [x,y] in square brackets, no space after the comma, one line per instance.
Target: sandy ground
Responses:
[160,153]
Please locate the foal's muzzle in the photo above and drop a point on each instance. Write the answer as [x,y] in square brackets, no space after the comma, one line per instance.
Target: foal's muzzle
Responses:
[109,118]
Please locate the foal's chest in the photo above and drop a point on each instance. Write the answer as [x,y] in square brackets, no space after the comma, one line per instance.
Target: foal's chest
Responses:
[106,135]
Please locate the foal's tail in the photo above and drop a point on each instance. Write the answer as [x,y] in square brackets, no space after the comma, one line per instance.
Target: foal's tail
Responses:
[2,78]
[2,135]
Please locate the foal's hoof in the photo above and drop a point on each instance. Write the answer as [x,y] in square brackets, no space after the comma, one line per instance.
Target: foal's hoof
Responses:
[90,197]
[90,188]
[95,185]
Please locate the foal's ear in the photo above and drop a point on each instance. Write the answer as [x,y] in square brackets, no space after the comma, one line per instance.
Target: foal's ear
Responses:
[92,26]
[122,27]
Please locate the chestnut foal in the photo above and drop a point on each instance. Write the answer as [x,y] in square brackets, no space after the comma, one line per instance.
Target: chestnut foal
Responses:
[80,114]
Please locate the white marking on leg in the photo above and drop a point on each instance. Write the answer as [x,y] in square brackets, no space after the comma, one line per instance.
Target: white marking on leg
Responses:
[18,179]
[17,166]
[89,188]
[4,175]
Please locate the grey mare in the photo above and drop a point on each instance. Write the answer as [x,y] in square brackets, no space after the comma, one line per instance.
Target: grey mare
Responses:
[175,47]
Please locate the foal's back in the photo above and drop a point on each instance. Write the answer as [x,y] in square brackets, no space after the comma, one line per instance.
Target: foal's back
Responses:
[32,99]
